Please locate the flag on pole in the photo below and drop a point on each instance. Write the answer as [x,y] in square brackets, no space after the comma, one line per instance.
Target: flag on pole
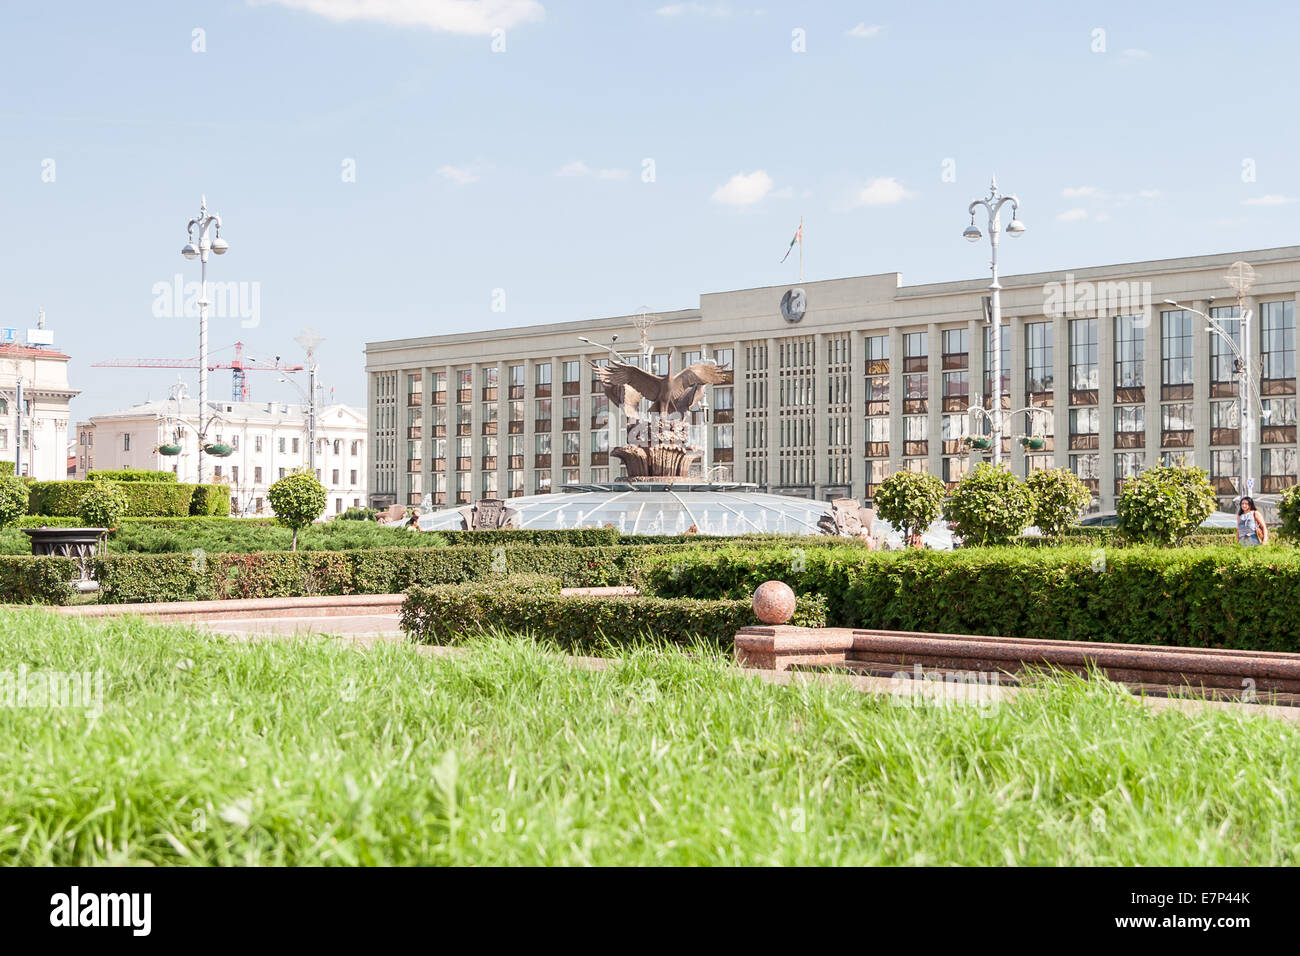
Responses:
[798,237]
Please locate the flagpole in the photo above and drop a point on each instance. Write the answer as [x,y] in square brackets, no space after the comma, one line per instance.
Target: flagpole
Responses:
[801,248]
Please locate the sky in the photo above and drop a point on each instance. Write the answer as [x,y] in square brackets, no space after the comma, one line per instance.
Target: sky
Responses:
[394,168]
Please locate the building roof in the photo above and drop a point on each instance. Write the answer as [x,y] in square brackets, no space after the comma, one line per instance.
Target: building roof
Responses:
[255,413]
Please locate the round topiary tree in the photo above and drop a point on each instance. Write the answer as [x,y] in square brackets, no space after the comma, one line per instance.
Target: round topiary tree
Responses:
[297,499]
[990,506]
[1288,513]
[13,500]
[102,506]
[1059,499]
[1165,503]
[909,501]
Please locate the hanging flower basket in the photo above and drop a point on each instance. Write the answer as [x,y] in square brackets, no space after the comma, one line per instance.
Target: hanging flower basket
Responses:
[980,442]
[1032,442]
[218,450]
[169,450]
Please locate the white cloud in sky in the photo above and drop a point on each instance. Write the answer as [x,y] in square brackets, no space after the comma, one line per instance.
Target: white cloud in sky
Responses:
[863,30]
[744,189]
[472,17]
[460,175]
[1271,199]
[1078,192]
[1072,215]
[882,191]
[578,168]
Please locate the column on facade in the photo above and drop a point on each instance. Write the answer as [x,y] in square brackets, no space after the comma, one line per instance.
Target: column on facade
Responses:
[858,415]
[449,464]
[934,388]
[821,416]
[1106,406]
[895,399]
[773,414]
[1151,384]
[1061,390]
[740,405]
[1201,346]
[1017,356]
[530,415]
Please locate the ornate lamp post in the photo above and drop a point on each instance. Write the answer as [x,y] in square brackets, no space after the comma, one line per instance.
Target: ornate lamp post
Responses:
[204,223]
[993,204]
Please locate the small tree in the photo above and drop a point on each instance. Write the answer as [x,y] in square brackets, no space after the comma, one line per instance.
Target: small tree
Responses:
[103,505]
[990,506]
[297,499]
[1059,499]
[13,500]
[909,501]
[1165,503]
[1288,512]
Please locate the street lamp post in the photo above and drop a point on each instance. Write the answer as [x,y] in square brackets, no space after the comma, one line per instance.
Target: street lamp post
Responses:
[993,204]
[310,340]
[1245,389]
[204,222]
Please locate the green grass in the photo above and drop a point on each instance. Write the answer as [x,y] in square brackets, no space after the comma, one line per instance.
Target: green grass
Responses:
[175,535]
[311,752]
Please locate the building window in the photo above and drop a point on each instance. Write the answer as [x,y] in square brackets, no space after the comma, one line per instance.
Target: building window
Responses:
[1130,351]
[1129,463]
[1176,347]
[914,352]
[542,481]
[516,376]
[1277,344]
[257,475]
[1083,354]
[296,447]
[1130,418]
[1004,352]
[281,475]
[334,478]
[1083,421]
[543,371]
[1087,467]
[1223,361]
[1040,367]
[126,442]
[1280,463]
[352,478]
[1176,418]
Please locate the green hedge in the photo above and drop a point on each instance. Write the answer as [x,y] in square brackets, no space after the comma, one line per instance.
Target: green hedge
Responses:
[131,578]
[6,467]
[25,579]
[1190,597]
[446,614]
[130,474]
[145,498]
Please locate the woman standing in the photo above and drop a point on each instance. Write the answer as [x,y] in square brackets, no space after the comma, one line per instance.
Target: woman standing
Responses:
[1251,529]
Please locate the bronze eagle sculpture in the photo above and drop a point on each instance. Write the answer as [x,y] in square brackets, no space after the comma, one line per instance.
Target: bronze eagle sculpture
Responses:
[626,385]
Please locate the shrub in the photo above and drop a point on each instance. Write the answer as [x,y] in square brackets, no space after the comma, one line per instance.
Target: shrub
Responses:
[30,579]
[358,514]
[102,506]
[1059,499]
[13,500]
[1288,513]
[910,501]
[447,614]
[6,467]
[144,498]
[130,474]
[1165,503]
[297,499]
[989,506]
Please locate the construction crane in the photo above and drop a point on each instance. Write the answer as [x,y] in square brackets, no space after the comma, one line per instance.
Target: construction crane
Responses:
[238,366]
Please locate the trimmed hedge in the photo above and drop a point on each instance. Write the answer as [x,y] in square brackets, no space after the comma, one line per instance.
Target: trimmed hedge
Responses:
[1189,597]
[27,579]
[144,498]
[129,474]
[446,614]
[131,578]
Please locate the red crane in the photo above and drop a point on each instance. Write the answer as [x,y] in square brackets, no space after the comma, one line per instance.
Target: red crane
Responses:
[238,367]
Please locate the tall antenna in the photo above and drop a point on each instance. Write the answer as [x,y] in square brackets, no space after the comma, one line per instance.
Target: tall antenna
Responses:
[643,322]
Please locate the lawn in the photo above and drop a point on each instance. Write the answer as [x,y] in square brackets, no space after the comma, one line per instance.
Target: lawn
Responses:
[312,752]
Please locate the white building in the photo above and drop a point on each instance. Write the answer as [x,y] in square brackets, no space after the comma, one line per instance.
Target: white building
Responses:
[268,440]
[40,425]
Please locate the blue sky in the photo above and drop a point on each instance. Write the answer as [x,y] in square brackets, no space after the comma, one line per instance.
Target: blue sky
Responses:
[521,169]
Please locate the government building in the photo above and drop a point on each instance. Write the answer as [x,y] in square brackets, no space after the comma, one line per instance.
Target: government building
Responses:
[836,384]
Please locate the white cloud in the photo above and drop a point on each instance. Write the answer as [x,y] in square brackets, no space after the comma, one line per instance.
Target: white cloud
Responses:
[1272,199]
[863,31]
[460,175]
[1072,215]
[474,17]
[744,189]
[882,191]
[578,168]
[1078,192]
